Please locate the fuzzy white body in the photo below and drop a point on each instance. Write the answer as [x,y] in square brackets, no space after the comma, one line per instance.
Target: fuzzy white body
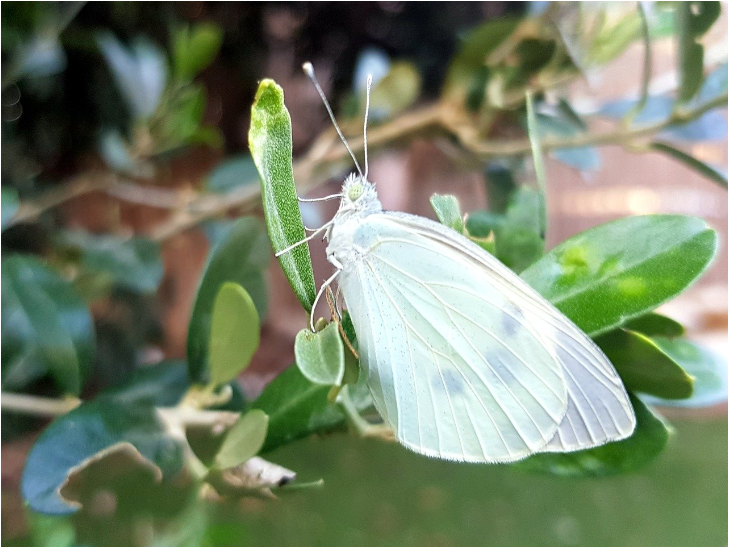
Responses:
[463,359]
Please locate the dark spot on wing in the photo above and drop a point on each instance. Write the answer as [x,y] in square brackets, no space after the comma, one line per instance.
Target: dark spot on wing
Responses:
[511,319]
[451,380]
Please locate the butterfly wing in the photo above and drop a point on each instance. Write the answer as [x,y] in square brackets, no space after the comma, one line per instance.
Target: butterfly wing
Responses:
[455,364]
[599,409]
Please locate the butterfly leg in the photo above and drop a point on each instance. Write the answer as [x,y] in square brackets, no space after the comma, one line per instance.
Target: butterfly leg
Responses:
[322,199]
[307,239]
[321,291]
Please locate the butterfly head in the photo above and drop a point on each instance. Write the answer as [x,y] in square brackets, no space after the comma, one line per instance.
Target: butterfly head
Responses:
[359,194]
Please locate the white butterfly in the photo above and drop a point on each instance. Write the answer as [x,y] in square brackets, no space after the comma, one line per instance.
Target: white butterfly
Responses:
[464,360]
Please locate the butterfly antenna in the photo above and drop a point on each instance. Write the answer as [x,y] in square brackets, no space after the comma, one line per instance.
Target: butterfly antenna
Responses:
[309,71]
[365,124]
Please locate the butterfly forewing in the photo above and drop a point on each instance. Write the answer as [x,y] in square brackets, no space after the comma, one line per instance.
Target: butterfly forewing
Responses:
[456,366]
[599,409]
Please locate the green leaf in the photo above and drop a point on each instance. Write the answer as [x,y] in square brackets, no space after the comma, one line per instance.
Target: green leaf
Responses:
[694,19]
[607,275]
[704,169]
[194,48]
[501,185]
[162,384]
[240,257]
[473,52]
[708,368]
[448,211]
[654,324]
[10,204]
[133,263]
[519,240]
[232,173]
[46,327]
[243,441]
[140,72]
[298,408]
[270,142]
[635,452]
[234,333]
[82,434]
[643,366]
[321,355]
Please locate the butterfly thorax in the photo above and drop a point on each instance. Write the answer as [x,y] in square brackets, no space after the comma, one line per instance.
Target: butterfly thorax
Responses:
[359,200]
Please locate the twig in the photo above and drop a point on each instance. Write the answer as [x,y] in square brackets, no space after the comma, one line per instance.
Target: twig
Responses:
[54,407]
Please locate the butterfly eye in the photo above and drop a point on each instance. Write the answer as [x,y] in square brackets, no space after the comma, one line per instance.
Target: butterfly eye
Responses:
[355,191]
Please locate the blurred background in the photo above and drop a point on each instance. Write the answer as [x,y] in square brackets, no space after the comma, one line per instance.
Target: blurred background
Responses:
[125,151]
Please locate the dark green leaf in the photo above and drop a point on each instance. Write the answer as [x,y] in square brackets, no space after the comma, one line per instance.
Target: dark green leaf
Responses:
[270,142]
[321,355]
[140,72]
[708,368]
[654,324]
[46,327]
[704,169]
[500,183]
[473,52]
[234,333]
[232,173]
[643,366]
[519,240]
[243,441]
[298,408]
[10,205]
[133,263]
[647,442]
[240,257]
[693,20]
[482,223]
[162,384]
[194,48]
[80,435]
[614,272]
[448,211]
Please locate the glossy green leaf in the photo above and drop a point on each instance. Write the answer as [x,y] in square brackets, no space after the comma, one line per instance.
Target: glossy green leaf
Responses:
[9,205]
[635,452]
[694,19]
[241,256]
[80,435]
[607,275]
[46,327]
[194,48]
[448,211]
[708,368]
[133,263]
[643,366]
[234,172]
[519,240]
[234,333]
[243,441]
[298,408]
[320,355]
[270,142]
[703,168]
[654,324]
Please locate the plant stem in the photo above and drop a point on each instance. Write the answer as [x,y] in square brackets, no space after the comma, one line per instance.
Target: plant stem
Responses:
[53,407]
